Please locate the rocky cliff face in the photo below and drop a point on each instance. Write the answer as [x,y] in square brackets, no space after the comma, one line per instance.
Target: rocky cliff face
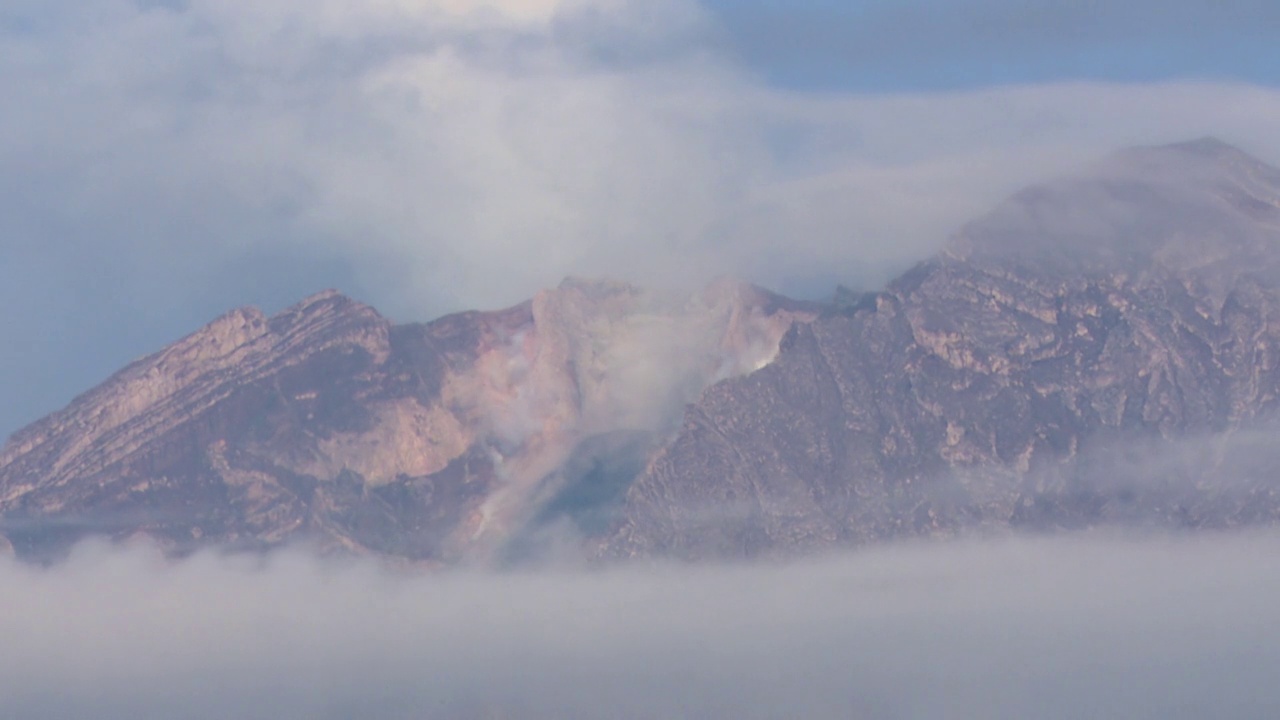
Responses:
[329,423]
[1102,348]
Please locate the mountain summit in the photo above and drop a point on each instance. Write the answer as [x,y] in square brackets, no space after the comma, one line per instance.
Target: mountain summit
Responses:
[1102,348]
[1033,375]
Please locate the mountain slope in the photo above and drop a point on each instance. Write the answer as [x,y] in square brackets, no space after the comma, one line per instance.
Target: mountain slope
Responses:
[1102,348]
[329,423]
[1002,383]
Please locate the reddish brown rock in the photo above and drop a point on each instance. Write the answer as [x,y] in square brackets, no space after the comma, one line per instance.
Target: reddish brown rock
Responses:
[329,424]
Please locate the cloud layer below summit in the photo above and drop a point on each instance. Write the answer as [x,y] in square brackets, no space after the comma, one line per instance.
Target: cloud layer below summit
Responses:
[1171,628]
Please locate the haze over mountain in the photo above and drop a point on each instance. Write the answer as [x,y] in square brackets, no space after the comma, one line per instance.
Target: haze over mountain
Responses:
[164,161]
[1005,383]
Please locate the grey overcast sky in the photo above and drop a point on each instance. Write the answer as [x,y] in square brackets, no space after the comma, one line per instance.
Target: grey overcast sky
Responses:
[163,161]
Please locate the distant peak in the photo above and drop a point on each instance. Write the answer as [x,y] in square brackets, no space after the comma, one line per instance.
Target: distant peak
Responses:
[1188,202]
[1207,145]
[326,295]
[324,301]
[324,306]
[1207,149]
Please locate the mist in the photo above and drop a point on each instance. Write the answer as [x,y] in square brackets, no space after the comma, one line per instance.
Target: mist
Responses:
[1085,626]
[162,162]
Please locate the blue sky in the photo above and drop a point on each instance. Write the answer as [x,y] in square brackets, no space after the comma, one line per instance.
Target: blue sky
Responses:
[163,161]
[910,45]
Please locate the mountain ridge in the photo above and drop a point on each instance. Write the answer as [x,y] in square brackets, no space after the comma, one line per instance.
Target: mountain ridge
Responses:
[256,429]
[1133,300]
[1007,364]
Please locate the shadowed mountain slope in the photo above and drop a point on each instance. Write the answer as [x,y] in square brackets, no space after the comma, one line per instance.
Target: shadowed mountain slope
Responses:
[1040,373]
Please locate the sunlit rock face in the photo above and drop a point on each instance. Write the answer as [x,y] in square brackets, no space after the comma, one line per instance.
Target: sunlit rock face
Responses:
[598,358]
[1098,349]
[329,424]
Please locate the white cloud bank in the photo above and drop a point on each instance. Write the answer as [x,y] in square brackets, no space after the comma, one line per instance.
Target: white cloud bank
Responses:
[164,160]
[1074,627]
[468,153]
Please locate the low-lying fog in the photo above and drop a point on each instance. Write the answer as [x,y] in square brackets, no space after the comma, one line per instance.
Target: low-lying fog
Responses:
[1094,626]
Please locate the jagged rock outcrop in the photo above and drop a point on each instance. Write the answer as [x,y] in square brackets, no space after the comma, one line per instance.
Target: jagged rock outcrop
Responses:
[1101,348]
[328,423]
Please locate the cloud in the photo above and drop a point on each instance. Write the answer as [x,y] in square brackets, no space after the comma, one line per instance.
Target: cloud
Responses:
[1074,627]
[162,161]
[467,154]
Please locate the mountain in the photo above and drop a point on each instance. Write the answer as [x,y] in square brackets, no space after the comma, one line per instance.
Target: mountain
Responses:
[328,423]
[1098,349]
